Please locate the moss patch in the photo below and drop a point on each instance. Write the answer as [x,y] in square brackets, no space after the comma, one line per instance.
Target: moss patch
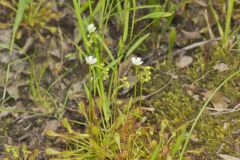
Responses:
[213,132]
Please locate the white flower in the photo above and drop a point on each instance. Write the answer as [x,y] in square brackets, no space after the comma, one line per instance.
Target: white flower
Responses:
[91,60]
[91,28]
[136,61]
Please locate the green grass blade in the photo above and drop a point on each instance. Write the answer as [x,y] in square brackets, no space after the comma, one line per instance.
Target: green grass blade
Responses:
[105,47]
[172,38]
[154,15]
[90,9]
[126,21]
[119,12]
[4,46]
[228,20]
[114,63]
[133,18]
[156,152]
[215,15]
[179,141]
[97,8]
[20,11]
[77,11]
[22,4]
[138,42]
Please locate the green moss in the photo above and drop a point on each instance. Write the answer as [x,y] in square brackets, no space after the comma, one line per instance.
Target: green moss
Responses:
[175,105]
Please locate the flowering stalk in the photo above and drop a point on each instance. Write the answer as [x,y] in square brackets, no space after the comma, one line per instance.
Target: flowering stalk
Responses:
[135,86]
[143,74]
[91,61]
[137,61]
[98,73]
[91,30]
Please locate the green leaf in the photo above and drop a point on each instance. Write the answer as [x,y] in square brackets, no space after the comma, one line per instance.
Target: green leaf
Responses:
[156,151]
[78,10]
[155,15]
[228,20]
[22,4]
[105,47]
[138,42]
[217,19]
[126,22]
[179,141]
[172,38]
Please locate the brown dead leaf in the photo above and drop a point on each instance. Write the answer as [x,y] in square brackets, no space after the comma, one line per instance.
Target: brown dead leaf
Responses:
[28,44]
[125,71]
[51,125]
[3,114]
[227,157]
[54,48]
[5,37]
[108,41]
[6,58]
[2,78]
[190,89]
[125,67]
[203,3]
[221,67]
[184,61]
[14,90]
[76,90]
[191,35]
[219,100]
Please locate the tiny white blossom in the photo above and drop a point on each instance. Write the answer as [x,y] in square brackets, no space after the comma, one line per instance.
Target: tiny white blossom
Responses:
[136,61]
[91,28]
[91,60]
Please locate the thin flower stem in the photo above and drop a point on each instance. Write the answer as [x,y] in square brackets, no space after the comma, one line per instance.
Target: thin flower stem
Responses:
[94,83]
[135,87]
[141,88]
[135,94]
[90,86]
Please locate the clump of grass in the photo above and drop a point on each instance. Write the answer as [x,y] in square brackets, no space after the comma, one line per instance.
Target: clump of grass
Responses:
[34,17]
[110,133]
[38,17]
[225,32]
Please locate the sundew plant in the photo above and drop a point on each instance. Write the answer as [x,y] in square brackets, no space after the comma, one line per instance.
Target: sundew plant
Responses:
[104,115]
